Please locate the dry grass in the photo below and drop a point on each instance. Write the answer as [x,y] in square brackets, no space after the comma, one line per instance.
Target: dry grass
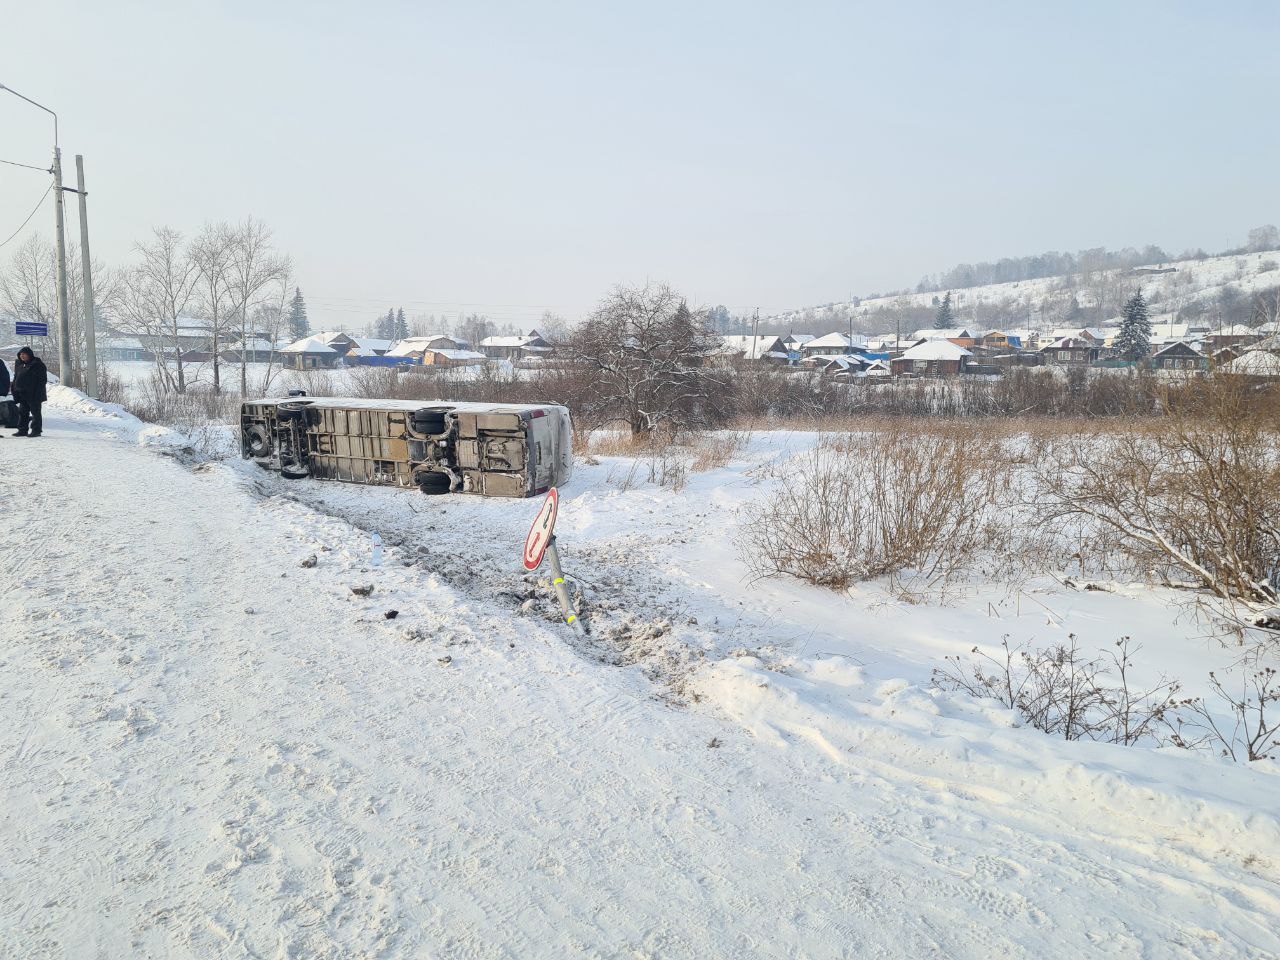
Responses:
[660,460]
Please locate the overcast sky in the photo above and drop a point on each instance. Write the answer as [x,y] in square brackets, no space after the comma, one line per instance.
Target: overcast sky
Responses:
[516,157]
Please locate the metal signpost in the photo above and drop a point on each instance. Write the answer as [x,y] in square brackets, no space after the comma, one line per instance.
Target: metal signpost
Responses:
[541,542]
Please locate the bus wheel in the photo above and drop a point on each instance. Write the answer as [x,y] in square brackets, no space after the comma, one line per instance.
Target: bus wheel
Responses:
[433,483]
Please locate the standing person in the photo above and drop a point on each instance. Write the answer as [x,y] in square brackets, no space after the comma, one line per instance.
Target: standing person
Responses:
[29,380]
[4,390]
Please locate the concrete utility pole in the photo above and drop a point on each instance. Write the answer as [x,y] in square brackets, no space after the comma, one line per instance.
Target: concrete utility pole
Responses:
[86,270]
[64,318]
[755,339]
[64,322]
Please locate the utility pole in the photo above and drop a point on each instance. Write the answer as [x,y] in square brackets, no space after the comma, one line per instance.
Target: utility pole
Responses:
[86,270]
[64,320]
[755,339]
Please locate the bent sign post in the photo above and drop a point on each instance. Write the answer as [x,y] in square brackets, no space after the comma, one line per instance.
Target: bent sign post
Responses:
[542,531]
[541,542]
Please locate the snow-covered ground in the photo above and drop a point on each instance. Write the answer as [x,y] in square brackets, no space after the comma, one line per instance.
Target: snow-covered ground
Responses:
[212,750]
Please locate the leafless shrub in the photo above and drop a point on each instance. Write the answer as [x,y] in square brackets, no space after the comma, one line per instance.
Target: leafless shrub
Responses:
[1197,495]
[1253,733]
[111,389]
[856,508]
[375,383]
[1061,692]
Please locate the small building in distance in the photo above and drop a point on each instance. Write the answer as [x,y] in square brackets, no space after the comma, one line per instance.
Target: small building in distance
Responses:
[960,336]
[760,348]
[1178,356]
[414,347]
[113,347]
[309,353]
[521,347]
[834,344]
[1072,351]
[452,358]
[932,358]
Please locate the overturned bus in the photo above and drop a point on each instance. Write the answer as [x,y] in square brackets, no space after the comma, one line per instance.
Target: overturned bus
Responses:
[490,449]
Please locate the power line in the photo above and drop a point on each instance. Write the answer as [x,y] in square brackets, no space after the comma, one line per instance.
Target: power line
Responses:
[26,166]
[39,204]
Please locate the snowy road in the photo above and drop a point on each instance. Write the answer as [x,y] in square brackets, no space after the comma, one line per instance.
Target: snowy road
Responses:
[211,751]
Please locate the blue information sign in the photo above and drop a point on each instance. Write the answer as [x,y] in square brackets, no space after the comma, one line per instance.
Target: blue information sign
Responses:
[24,329]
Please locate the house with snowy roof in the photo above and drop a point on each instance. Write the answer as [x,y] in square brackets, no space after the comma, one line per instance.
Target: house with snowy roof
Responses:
[834,343]
[960,336]
[763,347]
[520,347]
[932,358]
[1178,356]
[1072,351]
[414,347]
[309,353]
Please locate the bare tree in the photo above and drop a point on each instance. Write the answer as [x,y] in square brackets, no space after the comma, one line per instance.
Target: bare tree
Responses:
[254,269]
[271,318]
[1266,307]
[159,290]
[643,350]
[211,253]
[28,291]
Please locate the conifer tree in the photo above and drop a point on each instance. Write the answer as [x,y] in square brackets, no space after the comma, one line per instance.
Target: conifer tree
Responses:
[1134,340]
[400,327]
[299,326]
[946,317]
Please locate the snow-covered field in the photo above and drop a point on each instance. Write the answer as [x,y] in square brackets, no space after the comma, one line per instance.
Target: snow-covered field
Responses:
[211,750]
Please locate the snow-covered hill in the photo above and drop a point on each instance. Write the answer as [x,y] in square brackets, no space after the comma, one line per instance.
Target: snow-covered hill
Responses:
[1039,303]
[212,749]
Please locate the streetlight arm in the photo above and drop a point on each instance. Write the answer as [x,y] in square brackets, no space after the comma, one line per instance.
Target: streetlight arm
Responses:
[40,105]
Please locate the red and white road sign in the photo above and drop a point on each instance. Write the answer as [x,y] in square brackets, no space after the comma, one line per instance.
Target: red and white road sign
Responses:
[544,524]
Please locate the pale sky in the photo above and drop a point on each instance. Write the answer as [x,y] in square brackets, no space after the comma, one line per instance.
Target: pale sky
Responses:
[516,157]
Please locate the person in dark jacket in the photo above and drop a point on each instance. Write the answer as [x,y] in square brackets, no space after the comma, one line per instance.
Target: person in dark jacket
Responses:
[29,380]
[4,391]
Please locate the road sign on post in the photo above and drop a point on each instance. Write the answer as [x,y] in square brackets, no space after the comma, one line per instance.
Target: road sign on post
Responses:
[24,329]
[544,525]
[540,542]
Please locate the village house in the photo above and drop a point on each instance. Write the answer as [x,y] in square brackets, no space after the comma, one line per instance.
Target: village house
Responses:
[794,343]
[252,350]
[414,347]
[340,342]
[960,336]
[123,348]
[452,358]
[1178,356]
[834,344]
[1027,339]
[309,353]
[850,367]
[529,346]
[764,348]
[1096,335]
[1072,351]
[1237,335]
[1224,355]
[932,358]
[1000,340]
